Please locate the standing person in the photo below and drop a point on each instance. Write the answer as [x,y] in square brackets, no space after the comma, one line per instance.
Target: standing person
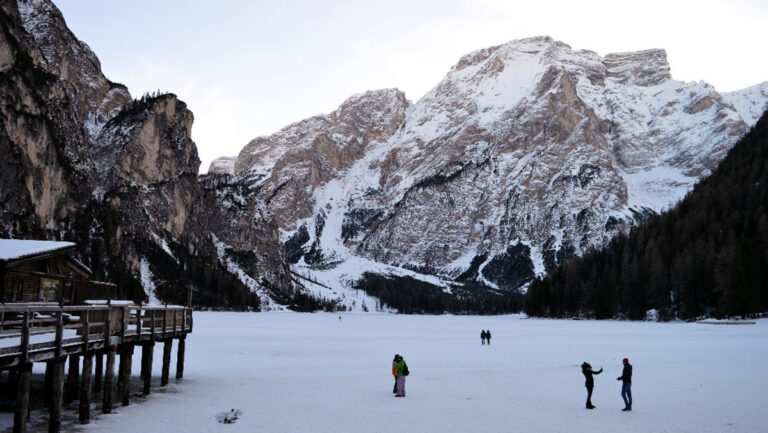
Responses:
[394,372]
[626,386]
[488,336]
[590,382]
[482,336]
[401,370]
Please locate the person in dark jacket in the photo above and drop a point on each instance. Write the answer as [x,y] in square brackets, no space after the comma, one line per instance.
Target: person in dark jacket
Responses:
[482,336]
[626,386]
[586,369]
[488,336]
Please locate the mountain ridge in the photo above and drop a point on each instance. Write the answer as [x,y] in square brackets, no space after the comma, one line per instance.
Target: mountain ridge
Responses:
[118,176]
[582,146]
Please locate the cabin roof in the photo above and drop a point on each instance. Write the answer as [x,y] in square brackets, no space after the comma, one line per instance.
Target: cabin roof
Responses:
[17,249]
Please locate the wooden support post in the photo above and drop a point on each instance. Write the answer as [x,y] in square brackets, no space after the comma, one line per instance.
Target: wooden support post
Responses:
[126,359]
[152,325]
[73,379]
[123,317]
[22,398]
[109,380]
[147,353]
[165,322]
[87,376]
[109,375]
[59,336]
[120,373]
[144,355]
[85,388]
[167,346]
[57,395]
[138,323]
[175,313]
[48,386]
[25,377]
[180,357]
[13,383]
[99,374]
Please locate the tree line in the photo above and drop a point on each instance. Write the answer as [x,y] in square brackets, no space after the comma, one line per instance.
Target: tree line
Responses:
[708,256]
[412,296]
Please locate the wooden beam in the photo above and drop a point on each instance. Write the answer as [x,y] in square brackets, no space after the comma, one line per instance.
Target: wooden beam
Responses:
[48,386]
[165,322]
[13,383]
[175,313]
[167,346]
[147,352]
[57,395]
[126,359]
[22,398]
[73,379]
[99,374]
[24,379]
[120,373]
[85,389]
[109,380]
[180,357]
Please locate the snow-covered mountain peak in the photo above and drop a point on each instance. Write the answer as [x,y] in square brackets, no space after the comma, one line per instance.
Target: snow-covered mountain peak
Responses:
[522,155]
[365,113]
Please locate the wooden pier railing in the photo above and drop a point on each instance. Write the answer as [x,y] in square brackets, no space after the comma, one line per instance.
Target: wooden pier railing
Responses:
[43,332]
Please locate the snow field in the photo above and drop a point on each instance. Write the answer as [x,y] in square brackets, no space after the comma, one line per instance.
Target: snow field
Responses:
[291,372]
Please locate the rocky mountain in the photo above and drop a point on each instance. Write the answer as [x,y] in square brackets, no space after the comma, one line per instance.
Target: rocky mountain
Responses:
[523,155]
[84,161]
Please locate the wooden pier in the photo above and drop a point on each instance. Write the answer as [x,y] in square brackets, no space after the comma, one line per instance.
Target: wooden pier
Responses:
[42,332]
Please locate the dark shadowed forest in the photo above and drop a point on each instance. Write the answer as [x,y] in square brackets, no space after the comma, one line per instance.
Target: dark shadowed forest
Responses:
[708,256]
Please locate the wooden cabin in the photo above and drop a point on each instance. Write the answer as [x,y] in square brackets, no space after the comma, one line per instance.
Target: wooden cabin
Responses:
[46,271]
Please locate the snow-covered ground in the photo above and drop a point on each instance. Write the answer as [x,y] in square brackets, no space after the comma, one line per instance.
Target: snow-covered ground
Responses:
[291,372]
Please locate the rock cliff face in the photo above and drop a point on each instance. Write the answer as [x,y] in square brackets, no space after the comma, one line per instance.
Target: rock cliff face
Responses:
[86,162]
[524,154]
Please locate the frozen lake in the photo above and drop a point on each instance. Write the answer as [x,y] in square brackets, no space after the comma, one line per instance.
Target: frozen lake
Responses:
[315,373]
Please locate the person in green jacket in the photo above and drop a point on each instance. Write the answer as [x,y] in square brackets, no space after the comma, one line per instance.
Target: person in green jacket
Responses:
[401,370]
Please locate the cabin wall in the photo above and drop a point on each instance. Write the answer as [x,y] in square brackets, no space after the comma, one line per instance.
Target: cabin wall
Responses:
[21,285]
[42,280]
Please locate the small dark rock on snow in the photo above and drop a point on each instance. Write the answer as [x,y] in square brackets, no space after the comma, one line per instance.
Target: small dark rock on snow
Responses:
[229,417]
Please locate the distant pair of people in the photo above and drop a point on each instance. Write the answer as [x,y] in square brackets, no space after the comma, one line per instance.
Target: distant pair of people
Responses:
[399,371]
[626,388]
[485,336]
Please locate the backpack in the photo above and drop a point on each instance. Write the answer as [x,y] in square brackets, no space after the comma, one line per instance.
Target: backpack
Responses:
[405,370]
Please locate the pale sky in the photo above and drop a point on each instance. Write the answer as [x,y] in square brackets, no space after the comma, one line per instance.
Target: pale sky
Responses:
[247,68]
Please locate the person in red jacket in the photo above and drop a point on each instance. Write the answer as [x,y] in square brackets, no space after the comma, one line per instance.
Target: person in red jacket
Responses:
[394,373]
